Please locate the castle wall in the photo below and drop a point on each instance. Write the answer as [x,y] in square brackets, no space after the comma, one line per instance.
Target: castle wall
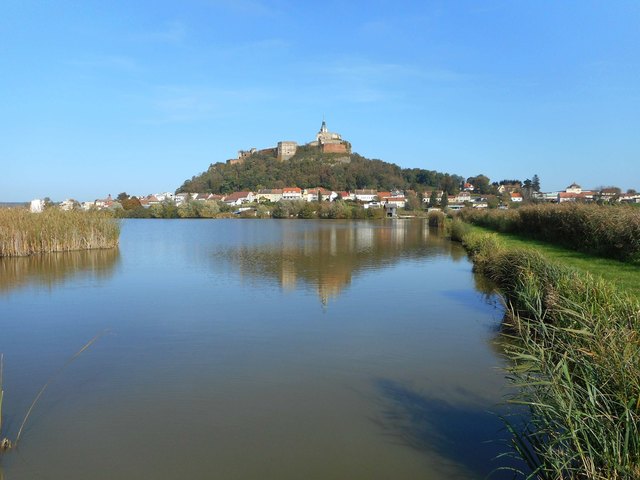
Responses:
[334,148]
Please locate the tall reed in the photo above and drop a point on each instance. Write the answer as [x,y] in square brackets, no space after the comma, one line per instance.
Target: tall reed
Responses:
[575,351]
[24,233]
[436,219]
[610,231]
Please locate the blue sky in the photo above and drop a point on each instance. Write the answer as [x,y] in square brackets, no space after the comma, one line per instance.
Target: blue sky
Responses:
[102,97]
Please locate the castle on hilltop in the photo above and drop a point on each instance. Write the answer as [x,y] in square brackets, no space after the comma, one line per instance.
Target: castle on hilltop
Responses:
[326,142]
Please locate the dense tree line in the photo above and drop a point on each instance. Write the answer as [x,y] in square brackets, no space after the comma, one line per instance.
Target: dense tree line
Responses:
[310,168]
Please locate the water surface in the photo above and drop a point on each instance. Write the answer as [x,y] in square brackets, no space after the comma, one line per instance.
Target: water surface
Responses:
[246,349]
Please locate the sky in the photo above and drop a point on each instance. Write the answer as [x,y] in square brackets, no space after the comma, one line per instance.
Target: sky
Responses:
[100,97]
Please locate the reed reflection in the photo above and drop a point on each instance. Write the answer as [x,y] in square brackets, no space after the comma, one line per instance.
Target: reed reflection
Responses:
[52,269]
[327,258]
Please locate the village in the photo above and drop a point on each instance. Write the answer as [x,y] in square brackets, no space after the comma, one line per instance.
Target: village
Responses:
[509,195]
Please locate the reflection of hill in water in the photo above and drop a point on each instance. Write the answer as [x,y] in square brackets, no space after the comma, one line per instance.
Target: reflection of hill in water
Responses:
[54,268]
[326,256]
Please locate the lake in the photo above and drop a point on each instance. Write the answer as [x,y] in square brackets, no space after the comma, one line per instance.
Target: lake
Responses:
[253,349]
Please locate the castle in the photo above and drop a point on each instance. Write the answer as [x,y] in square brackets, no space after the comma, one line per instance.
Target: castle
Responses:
[326,142]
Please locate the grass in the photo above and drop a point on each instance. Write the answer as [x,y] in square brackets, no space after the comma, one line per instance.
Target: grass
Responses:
[621,274]
[611,231]
[574,345]
[23,233]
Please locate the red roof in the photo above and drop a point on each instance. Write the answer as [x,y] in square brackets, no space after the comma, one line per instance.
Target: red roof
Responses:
[291,189]
[236,196]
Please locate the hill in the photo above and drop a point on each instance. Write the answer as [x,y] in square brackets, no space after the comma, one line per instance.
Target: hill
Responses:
[310,168]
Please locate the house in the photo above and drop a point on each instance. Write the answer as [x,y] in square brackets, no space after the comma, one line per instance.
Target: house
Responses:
[372,205]
[269,194]
[166,196]
[104,203]
[467,187]
[37,205]
[629,198]
[427,195]
[291,193]
[181,198]
[509,187]
[366,195]
[238,198]
[568,197]
[516,196]
[462,197]
[68,204]
[346,195]
[573,188]
[312,194]
[390,211]
[398,202]
[610,194]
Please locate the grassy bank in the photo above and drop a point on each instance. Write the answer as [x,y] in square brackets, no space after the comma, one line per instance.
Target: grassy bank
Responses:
[624,275]
[24,233]
[575,351]
[606,231]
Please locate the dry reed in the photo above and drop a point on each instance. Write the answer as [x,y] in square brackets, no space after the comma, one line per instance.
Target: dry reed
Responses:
[24,233]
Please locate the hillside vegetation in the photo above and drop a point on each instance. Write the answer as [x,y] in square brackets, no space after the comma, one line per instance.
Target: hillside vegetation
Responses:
[310,168]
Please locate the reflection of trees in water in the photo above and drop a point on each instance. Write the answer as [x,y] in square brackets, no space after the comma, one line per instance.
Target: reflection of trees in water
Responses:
[327,255]
[53,268]
[466,435]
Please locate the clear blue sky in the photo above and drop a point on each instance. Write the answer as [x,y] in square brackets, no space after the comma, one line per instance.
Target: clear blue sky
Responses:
[101,97]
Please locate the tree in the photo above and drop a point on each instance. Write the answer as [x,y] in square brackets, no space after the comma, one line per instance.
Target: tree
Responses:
[535,183]
[412,202]
[444,201]
[481,183]
[527,190]
[493,201]
[433,199]
[130,203]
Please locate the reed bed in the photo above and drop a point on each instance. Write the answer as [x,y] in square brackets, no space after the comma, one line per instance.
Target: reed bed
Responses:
[436,219]
[24,233]
[606,230]
[574,345]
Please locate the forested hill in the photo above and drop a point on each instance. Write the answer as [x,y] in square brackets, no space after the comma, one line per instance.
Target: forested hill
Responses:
[309,168]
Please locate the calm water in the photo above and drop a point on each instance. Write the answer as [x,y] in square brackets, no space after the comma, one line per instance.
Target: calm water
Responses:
[253,350]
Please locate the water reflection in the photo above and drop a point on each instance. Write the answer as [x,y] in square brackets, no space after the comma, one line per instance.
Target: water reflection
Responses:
[467,435]
[53,269]
[327,258]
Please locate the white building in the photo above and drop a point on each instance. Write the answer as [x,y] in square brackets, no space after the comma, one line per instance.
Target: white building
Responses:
[291,193]
[366,195]
[37,205]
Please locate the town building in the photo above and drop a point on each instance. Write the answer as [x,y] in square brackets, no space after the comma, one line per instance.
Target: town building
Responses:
[269,194]
[291,193]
